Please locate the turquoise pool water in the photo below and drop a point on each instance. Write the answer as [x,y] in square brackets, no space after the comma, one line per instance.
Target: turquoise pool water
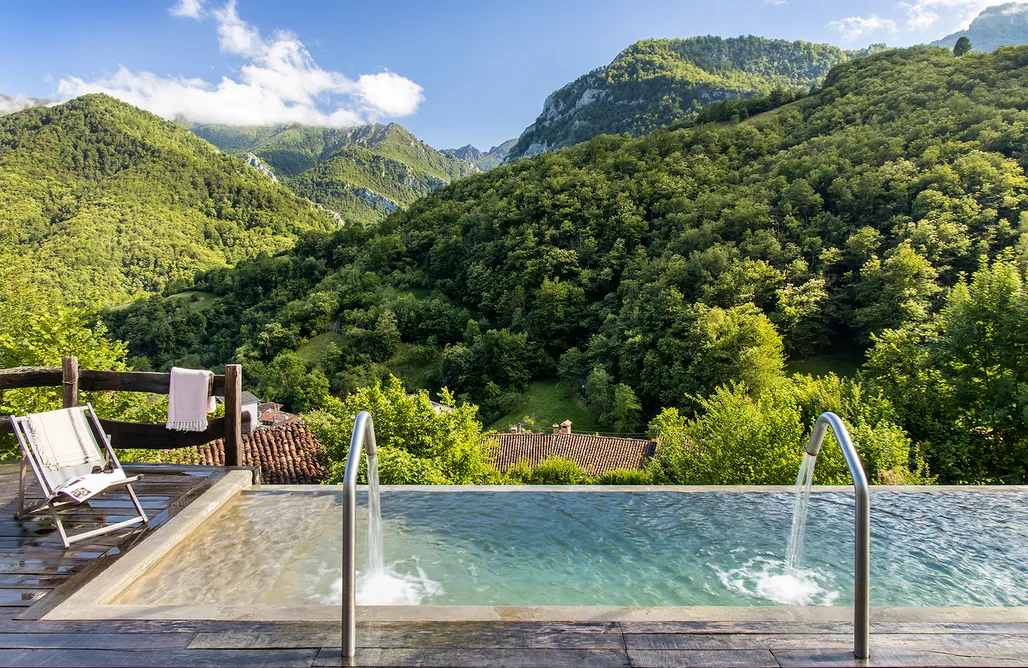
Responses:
[608,548]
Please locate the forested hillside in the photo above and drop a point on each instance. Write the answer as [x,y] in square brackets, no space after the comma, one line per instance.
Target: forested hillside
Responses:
[656,82]
[101,202]
[675,271]
[361,173]
[996,26]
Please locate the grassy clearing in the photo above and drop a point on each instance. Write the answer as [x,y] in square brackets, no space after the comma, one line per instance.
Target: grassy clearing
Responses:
[316,350]
[197,300]
[841,364]
[548,402]
[417,373]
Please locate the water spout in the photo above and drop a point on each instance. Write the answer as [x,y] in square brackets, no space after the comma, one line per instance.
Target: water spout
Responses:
[804,480]
[375,557]
[862,523]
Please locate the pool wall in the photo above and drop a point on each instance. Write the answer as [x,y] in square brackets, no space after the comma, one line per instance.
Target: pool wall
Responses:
[94,599]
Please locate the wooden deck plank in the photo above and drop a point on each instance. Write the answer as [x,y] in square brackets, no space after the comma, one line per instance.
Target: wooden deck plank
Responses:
[744,658]
[201,658]
[453,638]
[896,658]
[478,658]
[737,627]
[133,641]
[21,597]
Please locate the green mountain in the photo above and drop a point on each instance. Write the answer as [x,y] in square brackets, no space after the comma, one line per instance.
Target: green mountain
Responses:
[483,161]
[654,270]
[362,174]
[656,82]
[101,202]
[996,26]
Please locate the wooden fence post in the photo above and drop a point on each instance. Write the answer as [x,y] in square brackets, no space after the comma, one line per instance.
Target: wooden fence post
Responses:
[70,381]
[233,415]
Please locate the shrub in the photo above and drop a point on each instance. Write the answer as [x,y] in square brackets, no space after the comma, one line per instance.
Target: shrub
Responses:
[624,477]
[557,471]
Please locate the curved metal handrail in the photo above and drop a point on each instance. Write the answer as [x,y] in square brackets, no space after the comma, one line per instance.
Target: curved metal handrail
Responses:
[363,439]
[862,528]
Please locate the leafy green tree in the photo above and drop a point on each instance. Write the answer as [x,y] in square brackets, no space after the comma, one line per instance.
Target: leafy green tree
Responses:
[962,46]
[600,393]
[627,410]
[739,438]
[417,443]
[34,334]
[290,380]
[901,289]
[960,383]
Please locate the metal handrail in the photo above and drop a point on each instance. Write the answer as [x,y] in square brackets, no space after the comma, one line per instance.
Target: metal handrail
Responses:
[363,438]
[862,528]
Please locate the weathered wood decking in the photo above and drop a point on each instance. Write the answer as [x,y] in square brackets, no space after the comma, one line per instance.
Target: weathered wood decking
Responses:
[36,574]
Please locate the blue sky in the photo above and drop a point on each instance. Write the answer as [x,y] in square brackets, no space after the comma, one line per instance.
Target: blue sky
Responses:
[452,72]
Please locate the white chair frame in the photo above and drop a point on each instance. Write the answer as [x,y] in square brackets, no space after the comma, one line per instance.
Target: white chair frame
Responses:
[51,501]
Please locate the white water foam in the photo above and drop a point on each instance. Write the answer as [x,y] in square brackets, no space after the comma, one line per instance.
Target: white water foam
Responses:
[769,579]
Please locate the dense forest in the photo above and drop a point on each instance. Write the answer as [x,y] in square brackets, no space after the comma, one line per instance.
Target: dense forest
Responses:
[671,275]
[656,82]
[101,202]
[362,173]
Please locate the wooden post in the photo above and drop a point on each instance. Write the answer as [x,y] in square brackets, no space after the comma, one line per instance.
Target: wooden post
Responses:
[233,415]
[70,381]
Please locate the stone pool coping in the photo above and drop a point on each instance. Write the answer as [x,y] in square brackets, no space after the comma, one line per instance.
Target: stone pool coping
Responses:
[94,599]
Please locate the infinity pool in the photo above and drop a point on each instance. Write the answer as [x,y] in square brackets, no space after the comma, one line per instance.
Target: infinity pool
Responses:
[602,548]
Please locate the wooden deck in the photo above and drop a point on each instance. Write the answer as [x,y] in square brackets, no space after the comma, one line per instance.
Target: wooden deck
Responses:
[36,574]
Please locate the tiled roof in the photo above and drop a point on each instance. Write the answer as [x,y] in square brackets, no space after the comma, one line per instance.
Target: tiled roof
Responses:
[287,454]
[595,454]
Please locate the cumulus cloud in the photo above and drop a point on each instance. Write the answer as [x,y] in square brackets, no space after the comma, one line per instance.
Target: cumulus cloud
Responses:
[9,105]
[192,9]
[916,17]
[279,83]
[853,27]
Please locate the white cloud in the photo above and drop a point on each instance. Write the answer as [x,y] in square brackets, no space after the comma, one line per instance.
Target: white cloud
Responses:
[853,27]
[776,2]
[192,9]
[917,18]
[279,83]
[9,105]
[393,94]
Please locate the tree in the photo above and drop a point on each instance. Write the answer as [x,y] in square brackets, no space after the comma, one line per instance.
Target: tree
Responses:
[417,443]
[627,409]
[38,334]
[962,46]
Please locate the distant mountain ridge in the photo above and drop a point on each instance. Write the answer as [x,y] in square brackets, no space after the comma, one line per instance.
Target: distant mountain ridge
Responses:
[361,173]
[9,105]
[483,161]
[101,202]
[996,26]
[655,82]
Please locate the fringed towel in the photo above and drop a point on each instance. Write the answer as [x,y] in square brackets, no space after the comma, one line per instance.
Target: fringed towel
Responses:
[188,399]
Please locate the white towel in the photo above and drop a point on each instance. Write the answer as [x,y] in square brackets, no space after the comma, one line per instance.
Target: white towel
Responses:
[188,399]
[62,439]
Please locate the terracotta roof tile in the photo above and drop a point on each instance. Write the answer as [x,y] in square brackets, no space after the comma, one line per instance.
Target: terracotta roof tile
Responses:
[287,454]
[595,454]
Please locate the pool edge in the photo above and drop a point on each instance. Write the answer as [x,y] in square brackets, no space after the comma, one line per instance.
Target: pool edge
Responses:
[93,598]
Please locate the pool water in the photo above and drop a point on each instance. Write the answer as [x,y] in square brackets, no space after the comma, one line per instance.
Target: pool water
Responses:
[540,548]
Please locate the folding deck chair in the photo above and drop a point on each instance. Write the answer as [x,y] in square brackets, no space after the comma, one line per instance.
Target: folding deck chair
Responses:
[73,461]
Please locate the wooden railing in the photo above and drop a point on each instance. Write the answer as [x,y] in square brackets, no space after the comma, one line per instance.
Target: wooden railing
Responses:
[137,434]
